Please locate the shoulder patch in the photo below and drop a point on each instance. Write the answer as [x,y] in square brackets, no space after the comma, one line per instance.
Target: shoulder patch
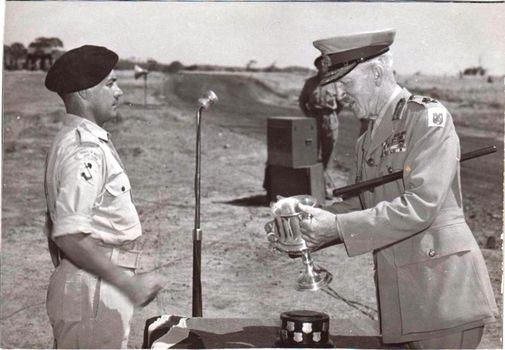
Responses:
[89,153]
[437,116]
[423,100]
[89,162]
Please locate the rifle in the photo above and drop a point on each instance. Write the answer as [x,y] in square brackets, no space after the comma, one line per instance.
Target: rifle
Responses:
[355,189]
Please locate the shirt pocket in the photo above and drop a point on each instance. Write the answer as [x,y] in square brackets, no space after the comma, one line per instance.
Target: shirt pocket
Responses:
[438,282]
[118,202]
[391,163]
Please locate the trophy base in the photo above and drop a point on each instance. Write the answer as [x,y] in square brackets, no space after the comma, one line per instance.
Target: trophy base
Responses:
[281,344]
[313,281]
[304,329]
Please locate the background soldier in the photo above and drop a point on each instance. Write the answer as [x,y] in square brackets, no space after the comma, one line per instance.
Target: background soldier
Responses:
[433,286]
[319,102]
[91,224]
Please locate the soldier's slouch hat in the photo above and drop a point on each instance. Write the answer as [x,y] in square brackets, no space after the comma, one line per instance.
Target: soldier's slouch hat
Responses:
[80,69]
[343,53]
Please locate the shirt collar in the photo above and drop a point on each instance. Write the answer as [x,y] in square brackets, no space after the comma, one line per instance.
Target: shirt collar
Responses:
[384,108]
[89,126]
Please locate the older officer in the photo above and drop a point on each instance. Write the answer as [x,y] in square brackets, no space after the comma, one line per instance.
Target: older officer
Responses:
[433,286]
[91,224]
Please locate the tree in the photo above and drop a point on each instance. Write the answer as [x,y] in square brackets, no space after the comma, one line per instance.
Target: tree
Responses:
[13,54]
[474,71]
[47,42]
[250,65]
[7,57]
[42,50]
[152,65]
[18,52]
[174,67]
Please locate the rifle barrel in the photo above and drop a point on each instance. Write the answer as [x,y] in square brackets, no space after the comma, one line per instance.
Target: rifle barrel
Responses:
[355,189]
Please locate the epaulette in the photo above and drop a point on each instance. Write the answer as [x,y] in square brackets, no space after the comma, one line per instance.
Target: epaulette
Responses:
[437,114]
[424,101]
[87,137]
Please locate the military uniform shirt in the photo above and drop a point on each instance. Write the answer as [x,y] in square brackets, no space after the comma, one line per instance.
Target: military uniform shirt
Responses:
[430,274]
[86,187]
[318,97]
[385,108]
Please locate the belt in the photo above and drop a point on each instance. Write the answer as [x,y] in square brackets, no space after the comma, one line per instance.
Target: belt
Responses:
[119,256]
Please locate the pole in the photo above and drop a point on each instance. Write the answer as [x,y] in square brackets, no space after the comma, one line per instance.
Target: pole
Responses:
[197,232]
[145,88]
[207,100]
[366,185]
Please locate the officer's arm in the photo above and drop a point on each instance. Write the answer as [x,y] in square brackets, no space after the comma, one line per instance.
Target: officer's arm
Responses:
[303,99]
[303,107]
[81,250]
[53,250]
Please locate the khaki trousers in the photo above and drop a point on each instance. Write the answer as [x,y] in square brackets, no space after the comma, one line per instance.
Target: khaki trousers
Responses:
[468,339]
[85,311]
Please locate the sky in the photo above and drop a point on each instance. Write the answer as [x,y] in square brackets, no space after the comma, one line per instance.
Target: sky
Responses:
[431,38]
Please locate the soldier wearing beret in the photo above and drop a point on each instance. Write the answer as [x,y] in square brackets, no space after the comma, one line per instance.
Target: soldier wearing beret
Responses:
[433,286]
[319,102]
[91,223]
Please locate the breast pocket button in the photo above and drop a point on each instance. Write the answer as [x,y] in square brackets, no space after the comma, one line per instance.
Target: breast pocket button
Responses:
[432,253]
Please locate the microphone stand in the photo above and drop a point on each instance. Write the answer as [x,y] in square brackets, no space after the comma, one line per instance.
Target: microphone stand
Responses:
[197,232]
[207,100]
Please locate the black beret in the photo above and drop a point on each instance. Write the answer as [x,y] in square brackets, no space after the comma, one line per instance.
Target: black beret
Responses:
[80,69]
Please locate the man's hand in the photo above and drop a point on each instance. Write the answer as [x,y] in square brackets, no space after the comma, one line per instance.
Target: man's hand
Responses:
[143,288]
[318,227]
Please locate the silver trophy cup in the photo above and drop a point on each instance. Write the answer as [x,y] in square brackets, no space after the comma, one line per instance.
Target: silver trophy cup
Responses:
[285,236]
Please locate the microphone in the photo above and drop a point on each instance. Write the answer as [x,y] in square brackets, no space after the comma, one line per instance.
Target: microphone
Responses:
[207,100]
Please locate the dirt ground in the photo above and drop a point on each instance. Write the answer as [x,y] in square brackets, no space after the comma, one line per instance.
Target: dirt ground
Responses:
[241,276]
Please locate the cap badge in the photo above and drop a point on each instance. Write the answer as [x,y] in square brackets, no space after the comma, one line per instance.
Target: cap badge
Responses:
[326,60]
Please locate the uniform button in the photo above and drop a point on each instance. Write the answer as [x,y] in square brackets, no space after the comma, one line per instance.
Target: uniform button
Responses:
[432,253]
[390,170]
[371,190]
[370,162]
[122,188]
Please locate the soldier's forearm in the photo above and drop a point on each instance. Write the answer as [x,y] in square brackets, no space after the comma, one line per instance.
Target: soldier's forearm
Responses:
[81,249]
[304,109]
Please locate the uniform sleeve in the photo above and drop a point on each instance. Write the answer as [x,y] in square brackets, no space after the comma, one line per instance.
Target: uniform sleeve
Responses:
[429,170]
[304,94]
[80,183]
